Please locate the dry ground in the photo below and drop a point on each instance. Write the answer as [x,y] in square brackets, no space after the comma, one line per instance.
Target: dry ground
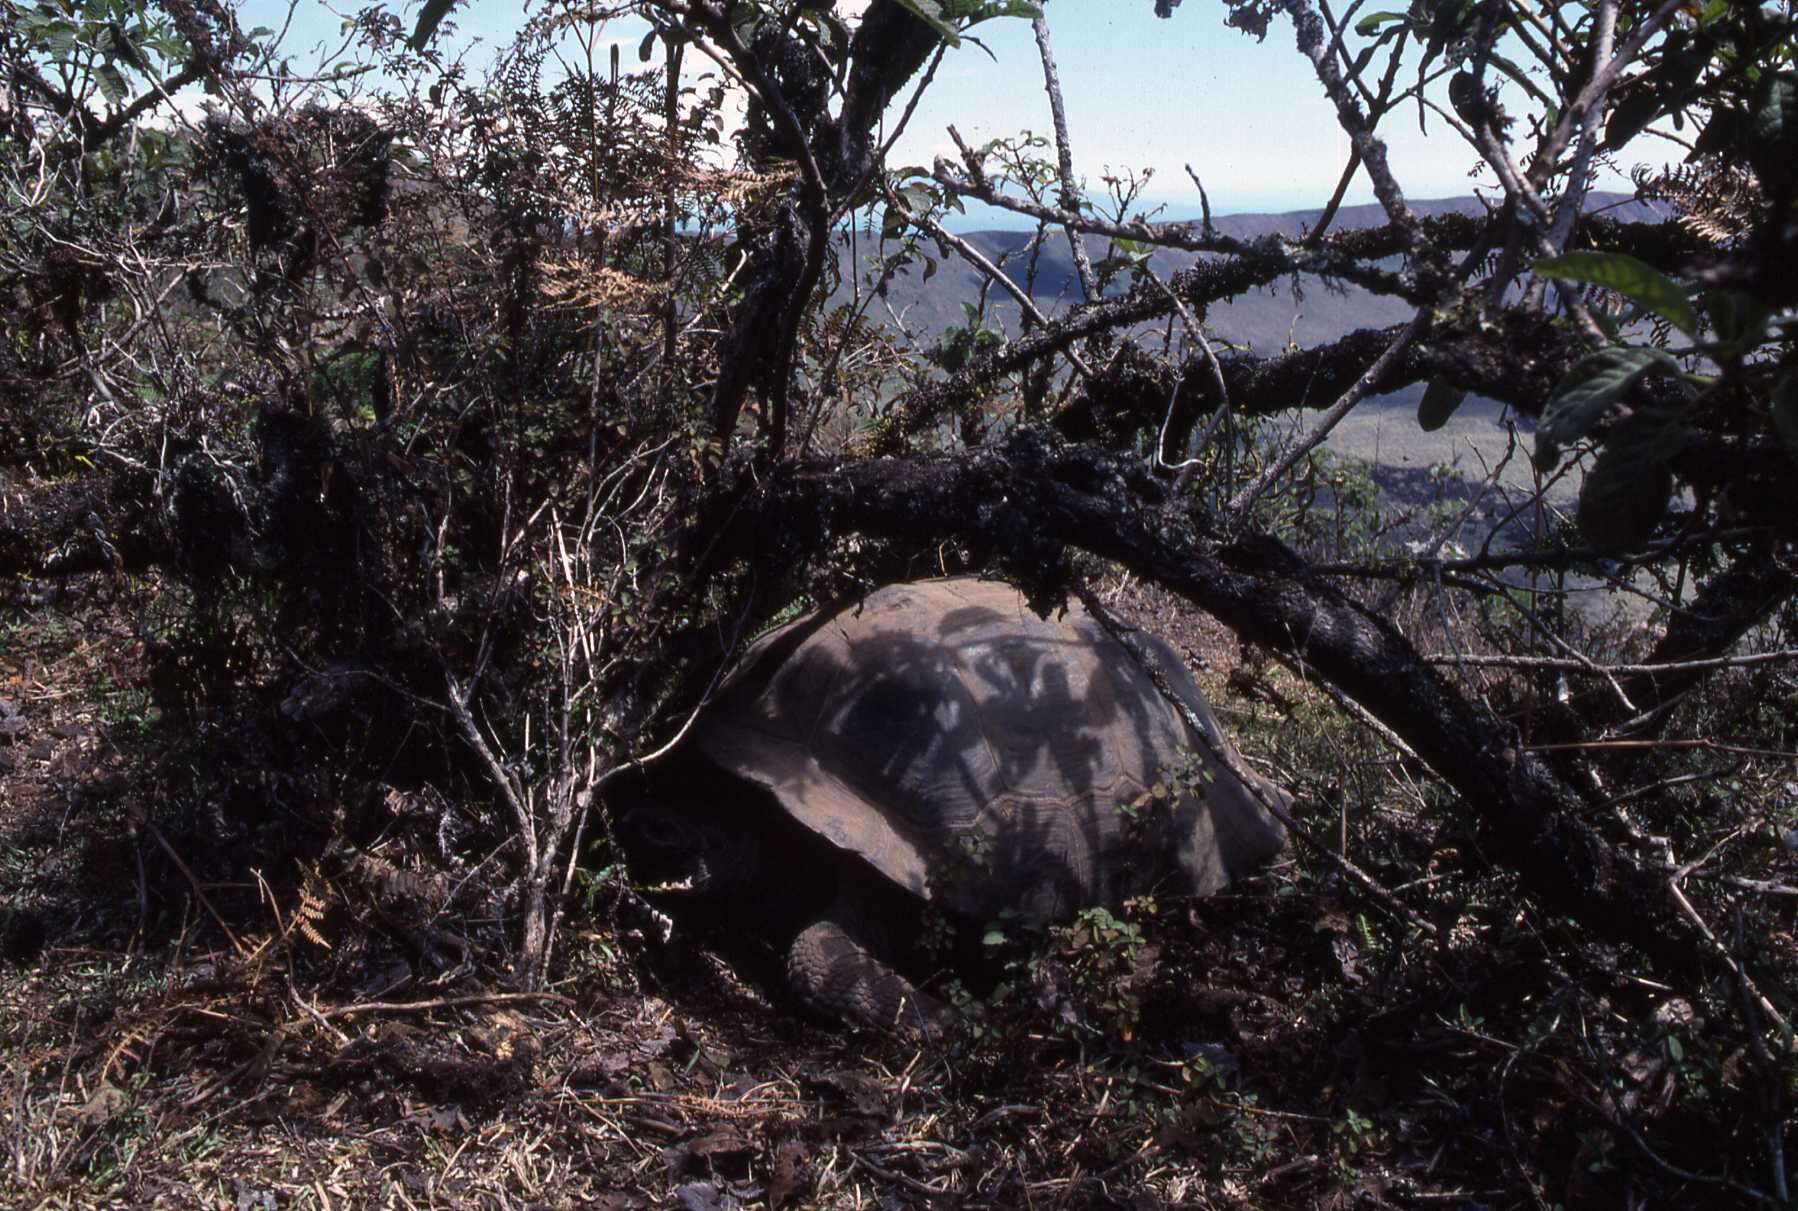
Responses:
[1279,1046]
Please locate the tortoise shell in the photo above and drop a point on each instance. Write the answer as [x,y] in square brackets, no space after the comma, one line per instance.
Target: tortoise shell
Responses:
[986,758]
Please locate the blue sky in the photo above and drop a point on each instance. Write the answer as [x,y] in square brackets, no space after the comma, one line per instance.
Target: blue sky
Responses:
[1140,93]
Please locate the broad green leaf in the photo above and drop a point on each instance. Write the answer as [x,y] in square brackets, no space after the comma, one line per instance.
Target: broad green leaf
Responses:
[1373,21]
[942,15]
[916,197]
[1776,117]
[931,13]
[112,84]
[1636,110]
[1622,501]
[1625,494]
[1635,280]
[1738,320]
[429,18]
[1440,399]
[1785,410]
[1594,384]
[983,10]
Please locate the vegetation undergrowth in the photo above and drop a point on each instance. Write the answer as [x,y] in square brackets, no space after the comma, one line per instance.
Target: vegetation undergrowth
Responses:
[390,473]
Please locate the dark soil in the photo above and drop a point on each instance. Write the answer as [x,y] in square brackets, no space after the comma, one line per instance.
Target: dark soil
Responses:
[1282,1045]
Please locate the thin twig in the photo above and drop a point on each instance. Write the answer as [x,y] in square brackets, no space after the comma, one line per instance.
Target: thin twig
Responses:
[199,894]
[993,273]
[1574,664]
[1722,952]
[1709,746]
[482,998]
[1070,194]
[1357,391]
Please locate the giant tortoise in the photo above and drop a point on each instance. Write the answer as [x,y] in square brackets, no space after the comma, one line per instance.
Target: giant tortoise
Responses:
[940,741]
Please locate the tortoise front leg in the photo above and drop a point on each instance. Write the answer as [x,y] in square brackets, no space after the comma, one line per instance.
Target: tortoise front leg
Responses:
[835,967]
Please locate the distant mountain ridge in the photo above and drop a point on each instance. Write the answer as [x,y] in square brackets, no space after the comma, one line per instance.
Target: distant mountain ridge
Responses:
[1383,431]
[1262,319]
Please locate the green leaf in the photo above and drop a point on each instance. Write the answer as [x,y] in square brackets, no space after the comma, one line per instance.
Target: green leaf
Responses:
[942,15]
[112,84]
[1622,501]
[916,197]
[1635,280]
[1785,410]
[1635,111]
[1373,21]
[1738,320]
[429,18]
[1594,384]
[931,13]
[1440,399]
[983,10]
[1773,148]
[1625,495]
[1776,115]
[59,38]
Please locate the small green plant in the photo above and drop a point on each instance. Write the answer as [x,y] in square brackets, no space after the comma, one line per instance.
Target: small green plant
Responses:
[1351,1137]
[1101,952]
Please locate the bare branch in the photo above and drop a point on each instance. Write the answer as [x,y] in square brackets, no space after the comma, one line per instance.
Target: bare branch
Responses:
[1070,193]
[1357,391]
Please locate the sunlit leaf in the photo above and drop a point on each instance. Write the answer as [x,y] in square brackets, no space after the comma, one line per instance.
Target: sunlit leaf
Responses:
[1636,280]
[931,14]
[1594,384]
[1373,21]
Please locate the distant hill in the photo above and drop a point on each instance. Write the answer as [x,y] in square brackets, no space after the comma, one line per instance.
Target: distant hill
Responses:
[1261,320]
[1382,432]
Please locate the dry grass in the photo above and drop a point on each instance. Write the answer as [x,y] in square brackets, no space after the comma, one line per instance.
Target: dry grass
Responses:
[1284,1045]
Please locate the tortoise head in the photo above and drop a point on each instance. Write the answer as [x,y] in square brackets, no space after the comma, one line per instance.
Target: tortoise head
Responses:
[674,846]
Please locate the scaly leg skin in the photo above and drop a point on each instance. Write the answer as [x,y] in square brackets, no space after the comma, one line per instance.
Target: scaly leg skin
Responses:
[836,973]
